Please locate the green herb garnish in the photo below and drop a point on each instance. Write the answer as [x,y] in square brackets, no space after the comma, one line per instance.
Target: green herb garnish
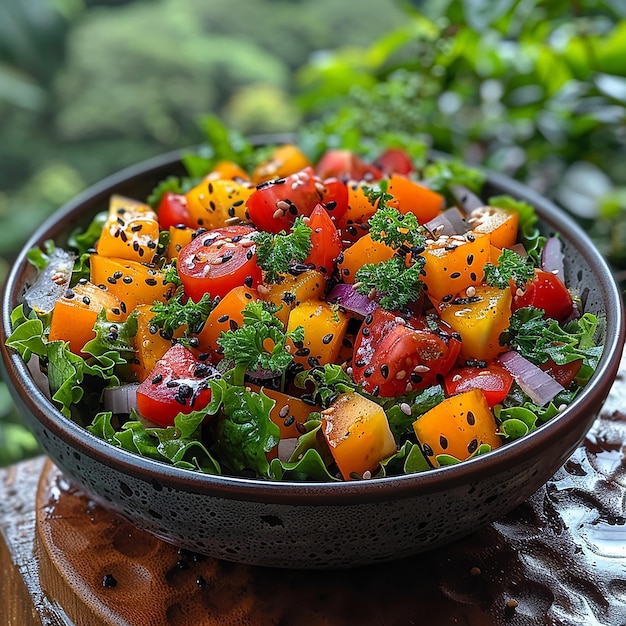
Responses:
[277,252]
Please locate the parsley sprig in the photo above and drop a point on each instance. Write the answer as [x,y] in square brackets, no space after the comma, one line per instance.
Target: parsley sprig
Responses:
[277,252]
[260,343]
[396,281]
[180,312]
[539,339]
[511,267]
[392,280]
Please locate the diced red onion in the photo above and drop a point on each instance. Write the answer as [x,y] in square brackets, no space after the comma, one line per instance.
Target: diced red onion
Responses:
[552,257]
[121,399]
[286,448]
[346,296]
[52,282]
[449,222]
[540,387]
[39,378]
[467,200]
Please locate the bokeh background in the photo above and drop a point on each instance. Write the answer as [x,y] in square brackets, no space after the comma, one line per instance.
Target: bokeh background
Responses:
[534,88]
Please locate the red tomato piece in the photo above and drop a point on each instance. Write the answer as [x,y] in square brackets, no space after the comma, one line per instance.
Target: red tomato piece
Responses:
[217,260]
[326,243]
[393,355]
[173,211]
[545,291]
[494,380]
[177,384]
[563,374]
[345,164]
[394,161]
[274,205]
[335,197]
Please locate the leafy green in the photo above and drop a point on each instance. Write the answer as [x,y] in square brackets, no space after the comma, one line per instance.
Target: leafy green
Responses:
[511,267]
[310,466]
[247,346]
[444,460]
[179,444]
[84,239]
[244,431]
[328,381]
[409,459]
[179,312]
[396,283]
[417,402]
[171,184]
[539,339]
[396,229]
[440,175]
[277,252]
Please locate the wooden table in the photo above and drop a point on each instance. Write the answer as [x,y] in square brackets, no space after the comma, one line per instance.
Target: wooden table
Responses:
[560,558]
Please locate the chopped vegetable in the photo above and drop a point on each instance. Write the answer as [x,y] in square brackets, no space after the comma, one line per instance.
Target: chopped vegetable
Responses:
[272,316]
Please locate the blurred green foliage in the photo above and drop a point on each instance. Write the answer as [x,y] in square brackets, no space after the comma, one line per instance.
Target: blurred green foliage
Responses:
[533,88]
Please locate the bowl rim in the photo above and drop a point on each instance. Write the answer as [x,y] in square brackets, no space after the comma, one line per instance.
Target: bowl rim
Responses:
[301,493]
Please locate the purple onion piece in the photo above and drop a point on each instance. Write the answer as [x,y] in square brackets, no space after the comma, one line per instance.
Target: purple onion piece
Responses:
[347,297]
[540,387]
[121,399]
[468,200]
[448,222]
[552,257]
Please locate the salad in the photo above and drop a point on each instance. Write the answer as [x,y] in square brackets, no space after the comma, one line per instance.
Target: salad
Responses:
[344,317]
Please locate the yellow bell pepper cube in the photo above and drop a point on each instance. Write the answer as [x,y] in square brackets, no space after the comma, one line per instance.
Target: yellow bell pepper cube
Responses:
[131,231]
[324,329]
[479,319]
[293,290]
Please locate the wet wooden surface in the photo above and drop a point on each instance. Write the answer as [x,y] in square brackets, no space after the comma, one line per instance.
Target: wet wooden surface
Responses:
[560,558]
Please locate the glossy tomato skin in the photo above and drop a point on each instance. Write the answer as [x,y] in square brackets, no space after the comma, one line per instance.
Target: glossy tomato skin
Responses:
[173,211]
[218,260]
[178,384]
[326,243]
[275,204]
[494,380]
[563,374]
[345,164]
[545,291]
[394,161]
[393,356]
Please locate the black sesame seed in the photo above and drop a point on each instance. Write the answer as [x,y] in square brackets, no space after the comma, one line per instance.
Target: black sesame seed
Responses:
[108,581]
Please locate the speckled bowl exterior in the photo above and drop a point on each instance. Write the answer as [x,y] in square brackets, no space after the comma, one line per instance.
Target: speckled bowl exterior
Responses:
[314,525]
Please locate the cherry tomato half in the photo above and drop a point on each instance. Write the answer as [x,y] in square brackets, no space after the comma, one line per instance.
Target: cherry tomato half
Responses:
[177,384]
[346,164]
[217,260]
[173,210]
[393,356]
[494,380]
[545,291]
[325,241]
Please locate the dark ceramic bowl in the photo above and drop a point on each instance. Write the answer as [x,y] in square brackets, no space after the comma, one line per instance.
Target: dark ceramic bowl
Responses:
[313,525]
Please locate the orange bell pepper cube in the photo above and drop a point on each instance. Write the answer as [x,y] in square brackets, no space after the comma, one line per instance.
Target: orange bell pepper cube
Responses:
[357,432]
[75,314]
[409,196]
[457,426]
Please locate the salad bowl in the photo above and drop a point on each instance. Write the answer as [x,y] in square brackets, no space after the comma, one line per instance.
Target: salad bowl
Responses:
[280,523]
